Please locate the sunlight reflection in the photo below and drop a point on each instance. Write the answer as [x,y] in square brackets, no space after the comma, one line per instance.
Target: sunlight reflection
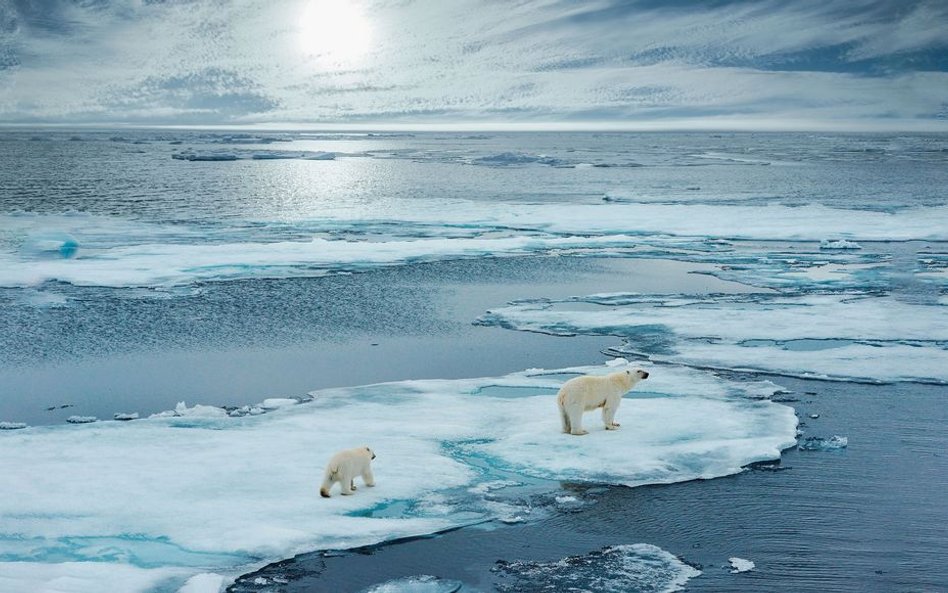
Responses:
[335,33]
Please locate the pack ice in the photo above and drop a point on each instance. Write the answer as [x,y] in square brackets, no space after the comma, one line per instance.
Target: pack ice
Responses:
[835,336]
[151,503]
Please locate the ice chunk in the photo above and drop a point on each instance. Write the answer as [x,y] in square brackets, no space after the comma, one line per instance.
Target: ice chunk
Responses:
[125,417]
[833,443]
[204,156]
[81,419]
[59,245]
[196,411]
[642,568]
[207,582]
[278,402]
[416,584]
[740,564]
[12,425]
[617,362]
[840,244]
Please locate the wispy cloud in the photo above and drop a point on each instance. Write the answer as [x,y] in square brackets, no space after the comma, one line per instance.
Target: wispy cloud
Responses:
[242,61]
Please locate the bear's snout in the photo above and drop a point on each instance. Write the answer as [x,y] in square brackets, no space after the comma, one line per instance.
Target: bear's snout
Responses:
[644,374]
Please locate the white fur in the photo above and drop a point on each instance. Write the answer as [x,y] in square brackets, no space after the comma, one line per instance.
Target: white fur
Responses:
[345,466]
[581,394]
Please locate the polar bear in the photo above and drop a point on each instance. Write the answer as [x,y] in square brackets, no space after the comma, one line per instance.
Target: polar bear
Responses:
[345,466]
[581,394]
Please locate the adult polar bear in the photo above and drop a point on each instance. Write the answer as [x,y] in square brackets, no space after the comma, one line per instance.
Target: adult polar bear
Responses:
[345,466]
[581,394]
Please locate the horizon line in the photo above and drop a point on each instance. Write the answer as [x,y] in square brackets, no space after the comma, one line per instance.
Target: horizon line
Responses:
[728,124]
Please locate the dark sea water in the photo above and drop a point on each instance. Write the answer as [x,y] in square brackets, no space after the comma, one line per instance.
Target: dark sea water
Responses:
[133,278]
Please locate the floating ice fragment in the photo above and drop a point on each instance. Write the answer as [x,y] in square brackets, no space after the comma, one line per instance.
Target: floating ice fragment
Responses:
[12,425]
[273,403]
[207,582]
[416,584]
[833,443]
[204,156]
[740,565]
[814,416]
[616,362]
[840,244]
[642,568]
[81,419]
[125,417]
[51,244]
[566,499]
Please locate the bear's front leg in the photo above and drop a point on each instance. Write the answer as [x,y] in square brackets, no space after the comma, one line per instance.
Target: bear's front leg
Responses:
[368,478]
[608,418]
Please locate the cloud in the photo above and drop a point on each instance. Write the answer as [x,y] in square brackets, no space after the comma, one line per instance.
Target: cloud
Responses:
[241,61]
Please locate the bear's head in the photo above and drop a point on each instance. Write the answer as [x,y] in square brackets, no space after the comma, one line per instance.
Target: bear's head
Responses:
[369,452]
[633,377]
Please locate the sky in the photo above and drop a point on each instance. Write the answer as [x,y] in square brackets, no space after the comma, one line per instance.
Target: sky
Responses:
[782,64]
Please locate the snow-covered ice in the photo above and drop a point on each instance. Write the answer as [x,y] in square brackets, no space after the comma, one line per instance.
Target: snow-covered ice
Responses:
[137,254]
[740,564]
[416,584]
[840,244]
[834,443]
[196,491]
[842,336]
[643,568]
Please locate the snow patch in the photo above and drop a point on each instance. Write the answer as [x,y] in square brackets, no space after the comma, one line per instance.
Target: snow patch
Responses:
[740,565]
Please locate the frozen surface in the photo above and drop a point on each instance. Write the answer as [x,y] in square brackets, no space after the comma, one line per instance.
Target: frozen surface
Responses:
[217,493]
[740,564]
[416,584]
[122,253]
[841,244]
[834,443]
[635,568]
[845,336]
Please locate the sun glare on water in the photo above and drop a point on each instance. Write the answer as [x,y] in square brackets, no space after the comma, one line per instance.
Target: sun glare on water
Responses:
[336,33]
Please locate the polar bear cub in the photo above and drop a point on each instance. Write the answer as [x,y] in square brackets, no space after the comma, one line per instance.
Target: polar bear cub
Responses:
[581,394]
[345,466]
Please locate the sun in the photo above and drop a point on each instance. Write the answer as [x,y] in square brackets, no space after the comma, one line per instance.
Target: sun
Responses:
[336,33]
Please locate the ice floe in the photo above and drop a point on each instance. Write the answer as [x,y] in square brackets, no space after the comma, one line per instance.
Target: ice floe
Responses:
[196,491]
[642,568]
[841,244]
[126,253]
[843,336]
[740,565]
[416,584]
[834,443]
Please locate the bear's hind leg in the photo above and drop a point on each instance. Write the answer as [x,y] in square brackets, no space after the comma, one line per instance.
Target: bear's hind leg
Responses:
[576,421]
[347,485]
[564,419]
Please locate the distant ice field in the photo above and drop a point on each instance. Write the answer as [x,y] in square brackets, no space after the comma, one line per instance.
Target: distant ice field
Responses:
[195,490]
[863,337]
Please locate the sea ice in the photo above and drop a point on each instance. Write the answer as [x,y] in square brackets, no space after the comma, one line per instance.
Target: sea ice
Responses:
[81,419]
[833,443]
[841,336]
[12,425]
[217,493]
[131,254]
[416,584]
[642,568]
[740,565]
[840,244]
